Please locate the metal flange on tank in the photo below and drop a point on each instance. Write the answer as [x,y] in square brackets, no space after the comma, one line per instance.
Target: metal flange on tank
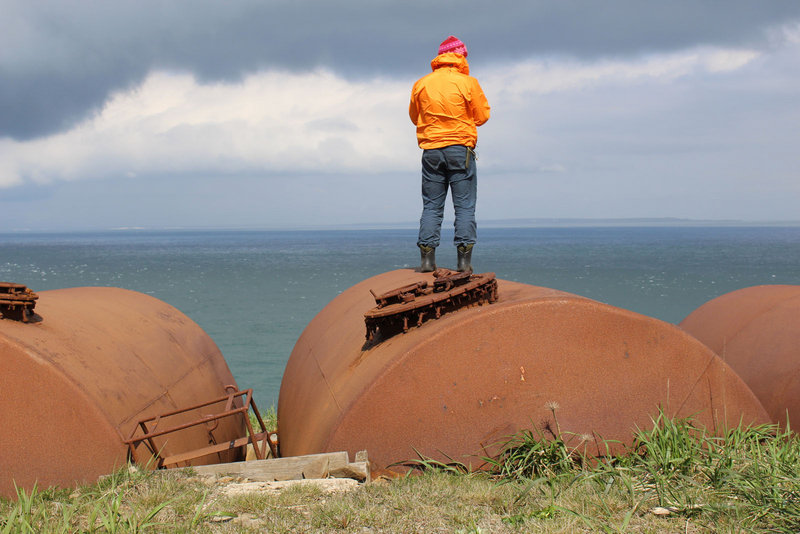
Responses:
[456,386]
[756,330]
[80,372]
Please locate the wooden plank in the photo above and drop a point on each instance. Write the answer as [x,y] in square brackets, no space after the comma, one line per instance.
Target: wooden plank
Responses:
[290,468]
[197,453]
[356,470]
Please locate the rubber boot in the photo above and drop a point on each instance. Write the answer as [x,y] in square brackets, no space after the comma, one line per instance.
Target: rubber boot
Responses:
[464,258]
[427,259]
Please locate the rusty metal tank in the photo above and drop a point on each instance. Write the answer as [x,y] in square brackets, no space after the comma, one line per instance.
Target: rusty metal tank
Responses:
[456,386]
[76,379]
[756,330]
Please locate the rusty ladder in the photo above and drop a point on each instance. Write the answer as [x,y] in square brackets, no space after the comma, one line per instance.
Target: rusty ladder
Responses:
[149,431]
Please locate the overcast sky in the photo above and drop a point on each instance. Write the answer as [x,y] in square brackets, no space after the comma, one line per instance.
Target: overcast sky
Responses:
[294,113]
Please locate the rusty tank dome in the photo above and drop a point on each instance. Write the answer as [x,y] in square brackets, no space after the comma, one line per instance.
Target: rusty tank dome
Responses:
[79,374]
[756,330]
[454,387]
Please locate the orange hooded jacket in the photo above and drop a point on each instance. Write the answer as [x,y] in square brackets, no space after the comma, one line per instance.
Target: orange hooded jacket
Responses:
[448,104]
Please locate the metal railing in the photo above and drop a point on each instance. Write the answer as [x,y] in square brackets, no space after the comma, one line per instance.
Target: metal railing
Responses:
[149,431]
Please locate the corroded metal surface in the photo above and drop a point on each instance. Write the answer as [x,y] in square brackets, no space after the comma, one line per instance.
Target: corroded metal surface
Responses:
[142,443]
[16,302]
[460,384]
[411,305]
[74,385]
[756,330]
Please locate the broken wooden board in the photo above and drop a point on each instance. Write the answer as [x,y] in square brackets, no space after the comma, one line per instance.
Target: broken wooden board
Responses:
[312,466]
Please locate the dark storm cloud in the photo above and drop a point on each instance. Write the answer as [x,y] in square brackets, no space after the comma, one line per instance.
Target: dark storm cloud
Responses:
[59,61]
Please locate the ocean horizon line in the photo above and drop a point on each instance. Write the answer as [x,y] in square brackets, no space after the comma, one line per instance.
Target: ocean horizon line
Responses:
[542,222]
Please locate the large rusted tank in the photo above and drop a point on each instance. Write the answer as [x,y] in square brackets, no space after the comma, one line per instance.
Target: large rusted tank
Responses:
[456,386]
[75,383]
[756,330]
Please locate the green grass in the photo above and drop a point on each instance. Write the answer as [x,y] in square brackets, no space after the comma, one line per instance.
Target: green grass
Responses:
[270,418]
[745,481]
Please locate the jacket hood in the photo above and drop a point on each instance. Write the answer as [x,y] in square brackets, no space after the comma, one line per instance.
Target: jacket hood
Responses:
[449,59]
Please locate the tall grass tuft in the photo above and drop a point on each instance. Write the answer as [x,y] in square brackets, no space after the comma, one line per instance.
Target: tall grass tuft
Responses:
[109,506]
[749,475]
[532,454]
[425,464]
[529,454]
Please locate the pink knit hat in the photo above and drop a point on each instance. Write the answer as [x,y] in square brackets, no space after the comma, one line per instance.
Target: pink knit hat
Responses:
[452,44]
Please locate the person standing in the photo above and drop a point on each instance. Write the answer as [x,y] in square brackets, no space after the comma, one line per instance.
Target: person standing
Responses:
[447,106]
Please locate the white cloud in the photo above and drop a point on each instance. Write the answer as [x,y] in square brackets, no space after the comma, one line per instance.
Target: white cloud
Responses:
[786,33]
[551,76]
[270,122]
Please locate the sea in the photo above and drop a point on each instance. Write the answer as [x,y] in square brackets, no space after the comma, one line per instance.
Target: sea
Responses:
[254,291]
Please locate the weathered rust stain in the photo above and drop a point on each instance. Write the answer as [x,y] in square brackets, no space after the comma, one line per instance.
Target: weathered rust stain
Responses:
[756,330]
[570,351]
[74,384]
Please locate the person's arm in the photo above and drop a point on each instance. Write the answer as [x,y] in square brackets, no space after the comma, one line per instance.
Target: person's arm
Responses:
[480,106]
[413,112]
